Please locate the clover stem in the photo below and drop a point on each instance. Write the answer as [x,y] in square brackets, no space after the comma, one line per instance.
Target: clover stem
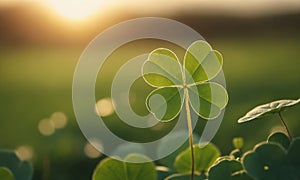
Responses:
[190,128]
[285,126]
[46,168]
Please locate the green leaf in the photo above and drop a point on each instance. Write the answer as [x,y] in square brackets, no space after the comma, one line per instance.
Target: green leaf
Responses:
[272,161]
[227,169]
[238,142]
[5,174]
[201,62]
[112,169]
[280,138]
[266,109]
[293,158]
[137,171]
[162,69]
[208,99]
[241,175]
[266,161]
[22,170]
[165,103]
[186,177]
[204,158]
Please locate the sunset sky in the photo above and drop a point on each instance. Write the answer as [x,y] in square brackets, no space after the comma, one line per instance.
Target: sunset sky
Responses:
[80,9]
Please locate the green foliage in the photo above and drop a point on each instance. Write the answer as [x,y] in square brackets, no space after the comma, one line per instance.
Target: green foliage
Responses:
[266,109]
[112,169]
[280,138]
[238,142]
[200,65]
[228,169]
[272,161]
[5,174]
[22,170]
[204,158]
[236,154]
[293,158]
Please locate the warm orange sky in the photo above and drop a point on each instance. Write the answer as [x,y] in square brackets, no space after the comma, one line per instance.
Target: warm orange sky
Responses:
[79,9]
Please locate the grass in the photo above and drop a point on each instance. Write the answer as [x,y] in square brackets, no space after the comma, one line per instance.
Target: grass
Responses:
[37,81]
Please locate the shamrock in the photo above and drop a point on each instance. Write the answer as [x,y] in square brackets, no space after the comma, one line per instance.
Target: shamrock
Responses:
[190,82]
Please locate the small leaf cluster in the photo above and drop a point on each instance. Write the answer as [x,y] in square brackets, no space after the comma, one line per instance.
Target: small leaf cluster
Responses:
[276,158]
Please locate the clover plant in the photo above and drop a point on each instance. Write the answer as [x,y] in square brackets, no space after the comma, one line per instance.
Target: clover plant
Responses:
[190,85]
[185,85]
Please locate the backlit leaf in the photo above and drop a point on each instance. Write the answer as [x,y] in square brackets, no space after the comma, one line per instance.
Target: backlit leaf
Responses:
[201,62]
[208,99]
[162,69]
[266,109]
[204,158]
[112,169]
[165,103]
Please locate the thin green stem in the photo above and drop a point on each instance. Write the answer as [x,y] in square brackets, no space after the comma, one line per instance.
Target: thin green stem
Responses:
[190,128]
[46,168]
[285,126]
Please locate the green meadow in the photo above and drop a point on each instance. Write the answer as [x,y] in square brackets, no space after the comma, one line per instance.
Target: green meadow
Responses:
[36,81]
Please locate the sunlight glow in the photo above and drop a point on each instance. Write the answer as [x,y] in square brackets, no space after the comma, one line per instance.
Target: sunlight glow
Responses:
[46,127]
[24,152]
[104,107]
[59,120]
[76,9]
[92,152]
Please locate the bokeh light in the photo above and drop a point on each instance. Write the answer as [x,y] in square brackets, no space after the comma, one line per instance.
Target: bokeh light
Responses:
[92,152]
[24,152]
[104,107]
[59,120]
[46,127]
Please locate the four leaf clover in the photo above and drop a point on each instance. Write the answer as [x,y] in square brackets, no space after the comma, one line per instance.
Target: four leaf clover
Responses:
[191,82]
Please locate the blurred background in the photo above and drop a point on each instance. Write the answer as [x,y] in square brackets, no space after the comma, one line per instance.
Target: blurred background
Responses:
[41,42]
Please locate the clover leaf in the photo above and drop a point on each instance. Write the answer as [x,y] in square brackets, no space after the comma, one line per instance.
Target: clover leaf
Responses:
[265,162]
[293,158]
[269,108]
[113,169]
[204,158]
[175,82]
[229,169]
[275,107]
[272,161]
[280,138]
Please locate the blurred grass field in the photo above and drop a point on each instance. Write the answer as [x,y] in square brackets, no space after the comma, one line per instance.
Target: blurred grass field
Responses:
[37,81]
